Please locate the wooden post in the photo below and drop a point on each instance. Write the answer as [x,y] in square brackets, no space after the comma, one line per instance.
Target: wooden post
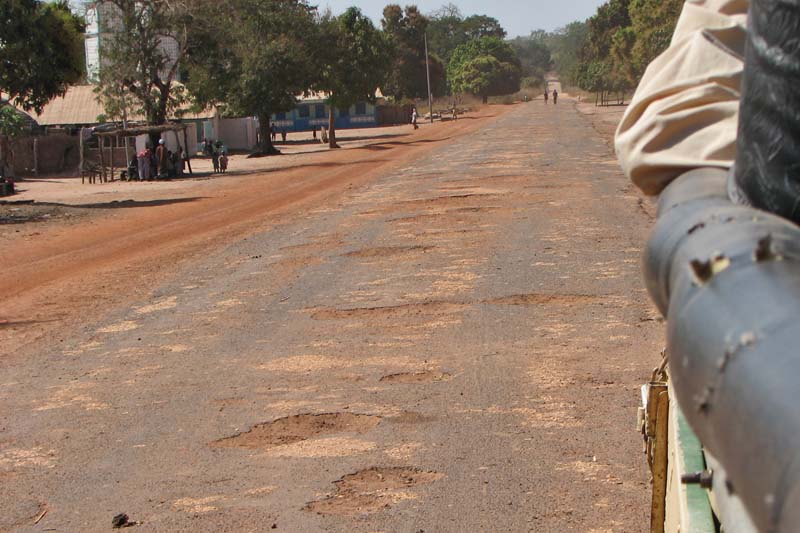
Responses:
[111,151]
[36,156]
[102,159]
[80,164]
[186,151]
[660,460]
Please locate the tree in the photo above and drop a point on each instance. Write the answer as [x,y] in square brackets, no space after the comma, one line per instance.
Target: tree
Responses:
[653,23]
[406,31]
[446,31]
[252,59]
[41,54]
[485,67]
[535,57]
[565,45]
[12,122]
[41,51]
[603,56]
[478,26]
[149,39]
[353,61]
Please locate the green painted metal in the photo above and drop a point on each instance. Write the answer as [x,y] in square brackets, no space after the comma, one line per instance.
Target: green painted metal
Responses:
[700,516]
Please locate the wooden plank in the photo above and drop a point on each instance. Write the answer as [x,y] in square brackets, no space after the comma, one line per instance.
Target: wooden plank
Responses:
[82,163]
[660,451]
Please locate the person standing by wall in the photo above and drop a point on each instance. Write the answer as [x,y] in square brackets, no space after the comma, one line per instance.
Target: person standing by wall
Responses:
[161,159]
[215,157]
[555,96]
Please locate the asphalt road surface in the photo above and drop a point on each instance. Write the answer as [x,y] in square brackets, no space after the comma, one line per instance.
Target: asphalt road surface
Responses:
[454,345]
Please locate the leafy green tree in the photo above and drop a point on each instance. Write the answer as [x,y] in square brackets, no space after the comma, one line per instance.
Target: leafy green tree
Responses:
[41,54]
[602,53]
[623,37]
[446,31]
[534,55]
[252,59]
[41,51]
[353,60]
[12,122]
[565,45]
[485,67]
[477,26]
[406,31]
[653,23]
[149,39]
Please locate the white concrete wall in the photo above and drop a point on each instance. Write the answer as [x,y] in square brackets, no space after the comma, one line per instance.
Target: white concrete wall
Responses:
[172,139]
[237,133]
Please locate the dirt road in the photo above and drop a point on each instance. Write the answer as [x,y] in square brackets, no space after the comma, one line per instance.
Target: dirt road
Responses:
[447,336]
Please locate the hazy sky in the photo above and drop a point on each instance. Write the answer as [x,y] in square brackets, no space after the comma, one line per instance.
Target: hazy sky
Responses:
[518,17]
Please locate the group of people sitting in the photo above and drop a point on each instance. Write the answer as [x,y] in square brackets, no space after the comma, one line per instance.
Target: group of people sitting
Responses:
[162,163]
[157,164]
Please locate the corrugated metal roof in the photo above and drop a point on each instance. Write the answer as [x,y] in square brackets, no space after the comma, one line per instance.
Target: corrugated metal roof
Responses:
[81,106]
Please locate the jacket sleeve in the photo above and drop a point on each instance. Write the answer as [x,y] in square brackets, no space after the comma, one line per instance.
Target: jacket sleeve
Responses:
[684,113]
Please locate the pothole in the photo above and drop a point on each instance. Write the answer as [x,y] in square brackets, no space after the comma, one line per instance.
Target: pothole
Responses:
[549,299]
[373,489]
[388,251]
[291,429]
[426,376]
[411,417]
[385,478]
[394,311]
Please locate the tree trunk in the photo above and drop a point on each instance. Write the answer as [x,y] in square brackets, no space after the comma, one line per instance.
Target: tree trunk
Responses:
[485,99]
[264,146]
[6,156]
[332,128]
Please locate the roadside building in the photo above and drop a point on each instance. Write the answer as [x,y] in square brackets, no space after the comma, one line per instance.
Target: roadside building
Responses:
[311,112]
[102,22]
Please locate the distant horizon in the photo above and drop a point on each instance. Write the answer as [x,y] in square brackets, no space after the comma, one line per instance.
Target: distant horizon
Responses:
[518,17]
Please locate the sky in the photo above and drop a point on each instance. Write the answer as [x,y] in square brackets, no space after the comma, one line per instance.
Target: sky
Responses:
[518,17]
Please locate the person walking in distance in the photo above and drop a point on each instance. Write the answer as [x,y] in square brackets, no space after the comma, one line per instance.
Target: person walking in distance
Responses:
[414,118]
[555,96]
[546,95]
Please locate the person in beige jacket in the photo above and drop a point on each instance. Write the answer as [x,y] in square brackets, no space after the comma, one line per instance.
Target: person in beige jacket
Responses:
[684,114]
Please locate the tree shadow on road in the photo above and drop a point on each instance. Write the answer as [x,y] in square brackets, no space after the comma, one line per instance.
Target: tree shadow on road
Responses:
[390,144]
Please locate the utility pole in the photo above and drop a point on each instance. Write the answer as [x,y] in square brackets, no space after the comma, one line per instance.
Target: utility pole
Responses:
[428,74]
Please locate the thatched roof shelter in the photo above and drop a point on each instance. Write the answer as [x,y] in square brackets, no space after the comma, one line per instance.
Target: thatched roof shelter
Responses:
[135,131]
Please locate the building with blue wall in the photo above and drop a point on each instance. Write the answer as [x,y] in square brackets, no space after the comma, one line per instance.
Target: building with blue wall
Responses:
[312,113]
